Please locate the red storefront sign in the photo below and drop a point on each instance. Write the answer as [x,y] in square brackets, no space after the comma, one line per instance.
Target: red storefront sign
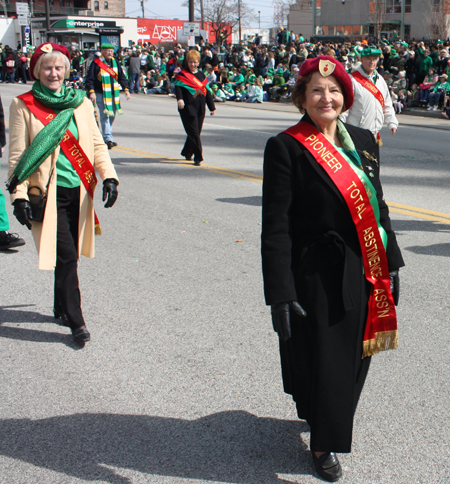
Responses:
[158,31]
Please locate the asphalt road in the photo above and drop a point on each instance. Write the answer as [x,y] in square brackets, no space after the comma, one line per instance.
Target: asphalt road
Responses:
[181,382]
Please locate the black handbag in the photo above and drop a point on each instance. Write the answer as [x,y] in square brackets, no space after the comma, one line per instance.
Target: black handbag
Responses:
[38,201]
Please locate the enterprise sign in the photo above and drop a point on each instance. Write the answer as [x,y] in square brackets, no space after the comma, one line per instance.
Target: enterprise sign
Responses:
[90,24]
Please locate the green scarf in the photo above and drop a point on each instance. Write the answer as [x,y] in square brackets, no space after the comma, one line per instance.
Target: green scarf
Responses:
[50,136]
[111,89]
[352,156]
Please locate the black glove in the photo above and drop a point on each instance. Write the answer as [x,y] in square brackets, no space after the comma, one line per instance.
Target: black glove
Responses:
[281,319]
[110,190]
[22,211]
[395,285]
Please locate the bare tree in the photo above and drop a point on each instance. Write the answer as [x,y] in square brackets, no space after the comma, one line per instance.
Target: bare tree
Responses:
[377,15]
[281,11]
[223,14]
[436,18]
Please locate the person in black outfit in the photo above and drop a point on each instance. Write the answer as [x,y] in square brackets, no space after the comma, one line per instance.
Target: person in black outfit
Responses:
[313,263]
[192,108]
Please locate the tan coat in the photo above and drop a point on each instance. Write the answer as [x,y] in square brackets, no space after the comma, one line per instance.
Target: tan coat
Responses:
[23,127]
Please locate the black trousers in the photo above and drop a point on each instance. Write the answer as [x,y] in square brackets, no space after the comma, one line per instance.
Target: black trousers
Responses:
[67,291]
[193,127]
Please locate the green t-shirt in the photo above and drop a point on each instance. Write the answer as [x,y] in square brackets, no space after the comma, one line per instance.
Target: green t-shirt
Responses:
[65,173]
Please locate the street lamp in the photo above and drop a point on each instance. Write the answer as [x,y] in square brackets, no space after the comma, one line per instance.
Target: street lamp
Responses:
[259,13]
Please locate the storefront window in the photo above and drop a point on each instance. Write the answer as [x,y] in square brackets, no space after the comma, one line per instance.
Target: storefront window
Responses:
[96,6]
[395,6]
[339,30]
[356,29]
[348,30]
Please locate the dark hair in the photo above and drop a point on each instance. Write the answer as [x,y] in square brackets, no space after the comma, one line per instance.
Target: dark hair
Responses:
[298,93]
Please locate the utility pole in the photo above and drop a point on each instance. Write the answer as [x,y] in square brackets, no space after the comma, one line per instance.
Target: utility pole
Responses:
[47,17]
[239,14]
[259,13]
[314,18]
[191,11]
[402,26]
[202,13]
[143,8]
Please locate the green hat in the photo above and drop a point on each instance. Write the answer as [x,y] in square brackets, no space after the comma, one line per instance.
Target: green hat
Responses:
[439,42]
[370,51]
[270,71]
[215,86]
[107,46]
[405,44]
[252,79]
[393,52]
[279,72]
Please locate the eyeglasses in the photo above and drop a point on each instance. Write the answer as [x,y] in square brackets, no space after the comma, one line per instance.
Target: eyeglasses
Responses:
[193,62]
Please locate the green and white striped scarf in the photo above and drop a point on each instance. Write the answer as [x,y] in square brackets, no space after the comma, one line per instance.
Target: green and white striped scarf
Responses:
[111,89]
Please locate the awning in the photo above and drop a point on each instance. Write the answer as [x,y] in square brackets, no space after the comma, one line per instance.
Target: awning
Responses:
[83,32]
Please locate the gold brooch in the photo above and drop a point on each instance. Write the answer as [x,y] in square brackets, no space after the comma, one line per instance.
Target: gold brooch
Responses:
[370,157]
[47,48]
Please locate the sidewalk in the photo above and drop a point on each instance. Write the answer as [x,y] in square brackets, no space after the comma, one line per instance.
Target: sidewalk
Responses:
[418,117]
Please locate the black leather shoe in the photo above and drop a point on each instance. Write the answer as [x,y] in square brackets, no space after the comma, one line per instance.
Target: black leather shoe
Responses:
[110,144]
[9,241]
[327,466]
[197,163]
[81,335]
[188,158]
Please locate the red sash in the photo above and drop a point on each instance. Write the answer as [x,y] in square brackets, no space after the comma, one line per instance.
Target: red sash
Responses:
[70,147]
[190,80]
[381,325]
[370,86]
[106,68]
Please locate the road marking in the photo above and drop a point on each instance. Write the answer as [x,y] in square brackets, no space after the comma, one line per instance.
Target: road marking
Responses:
[421,213]
[240,129]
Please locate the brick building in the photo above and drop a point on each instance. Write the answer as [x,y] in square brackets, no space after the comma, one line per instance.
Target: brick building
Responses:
[415,19]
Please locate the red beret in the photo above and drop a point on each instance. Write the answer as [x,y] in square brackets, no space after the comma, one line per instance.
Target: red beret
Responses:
[328,66]
[46,48]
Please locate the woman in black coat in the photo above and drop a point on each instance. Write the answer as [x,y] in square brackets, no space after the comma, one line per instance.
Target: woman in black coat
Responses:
[315,272]
[192,95]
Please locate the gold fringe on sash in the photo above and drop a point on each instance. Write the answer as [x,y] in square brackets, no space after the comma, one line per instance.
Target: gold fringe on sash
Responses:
[383,341]
[379,140]
[98,229]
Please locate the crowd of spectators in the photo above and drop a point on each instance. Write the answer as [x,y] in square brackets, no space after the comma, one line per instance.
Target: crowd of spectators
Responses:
[416,73]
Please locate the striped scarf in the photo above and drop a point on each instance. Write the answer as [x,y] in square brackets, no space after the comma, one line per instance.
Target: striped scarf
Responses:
[111,90]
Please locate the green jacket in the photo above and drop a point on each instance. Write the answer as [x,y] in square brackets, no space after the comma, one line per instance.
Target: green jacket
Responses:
[445,86]
[425,63]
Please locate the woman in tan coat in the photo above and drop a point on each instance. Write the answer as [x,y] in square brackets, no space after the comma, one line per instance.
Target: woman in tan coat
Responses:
[55,145]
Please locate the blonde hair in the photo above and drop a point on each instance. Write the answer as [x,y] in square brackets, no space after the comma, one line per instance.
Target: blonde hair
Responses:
[51,57]
[193,55]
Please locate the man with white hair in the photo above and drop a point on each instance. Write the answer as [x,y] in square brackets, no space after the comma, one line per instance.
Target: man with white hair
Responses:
[372,106]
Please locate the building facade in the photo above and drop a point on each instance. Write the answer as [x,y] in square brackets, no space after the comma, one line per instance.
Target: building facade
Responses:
[409,19]
[80,23]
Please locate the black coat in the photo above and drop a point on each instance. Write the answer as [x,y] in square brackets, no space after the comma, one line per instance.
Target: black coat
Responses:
[311,254]
[2,128]
[194,106]
[94,80]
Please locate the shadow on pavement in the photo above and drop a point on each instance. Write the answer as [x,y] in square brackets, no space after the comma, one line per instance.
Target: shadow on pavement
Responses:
[435,249]
[231,446]
[11,314]
[419,226]
[255,201]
